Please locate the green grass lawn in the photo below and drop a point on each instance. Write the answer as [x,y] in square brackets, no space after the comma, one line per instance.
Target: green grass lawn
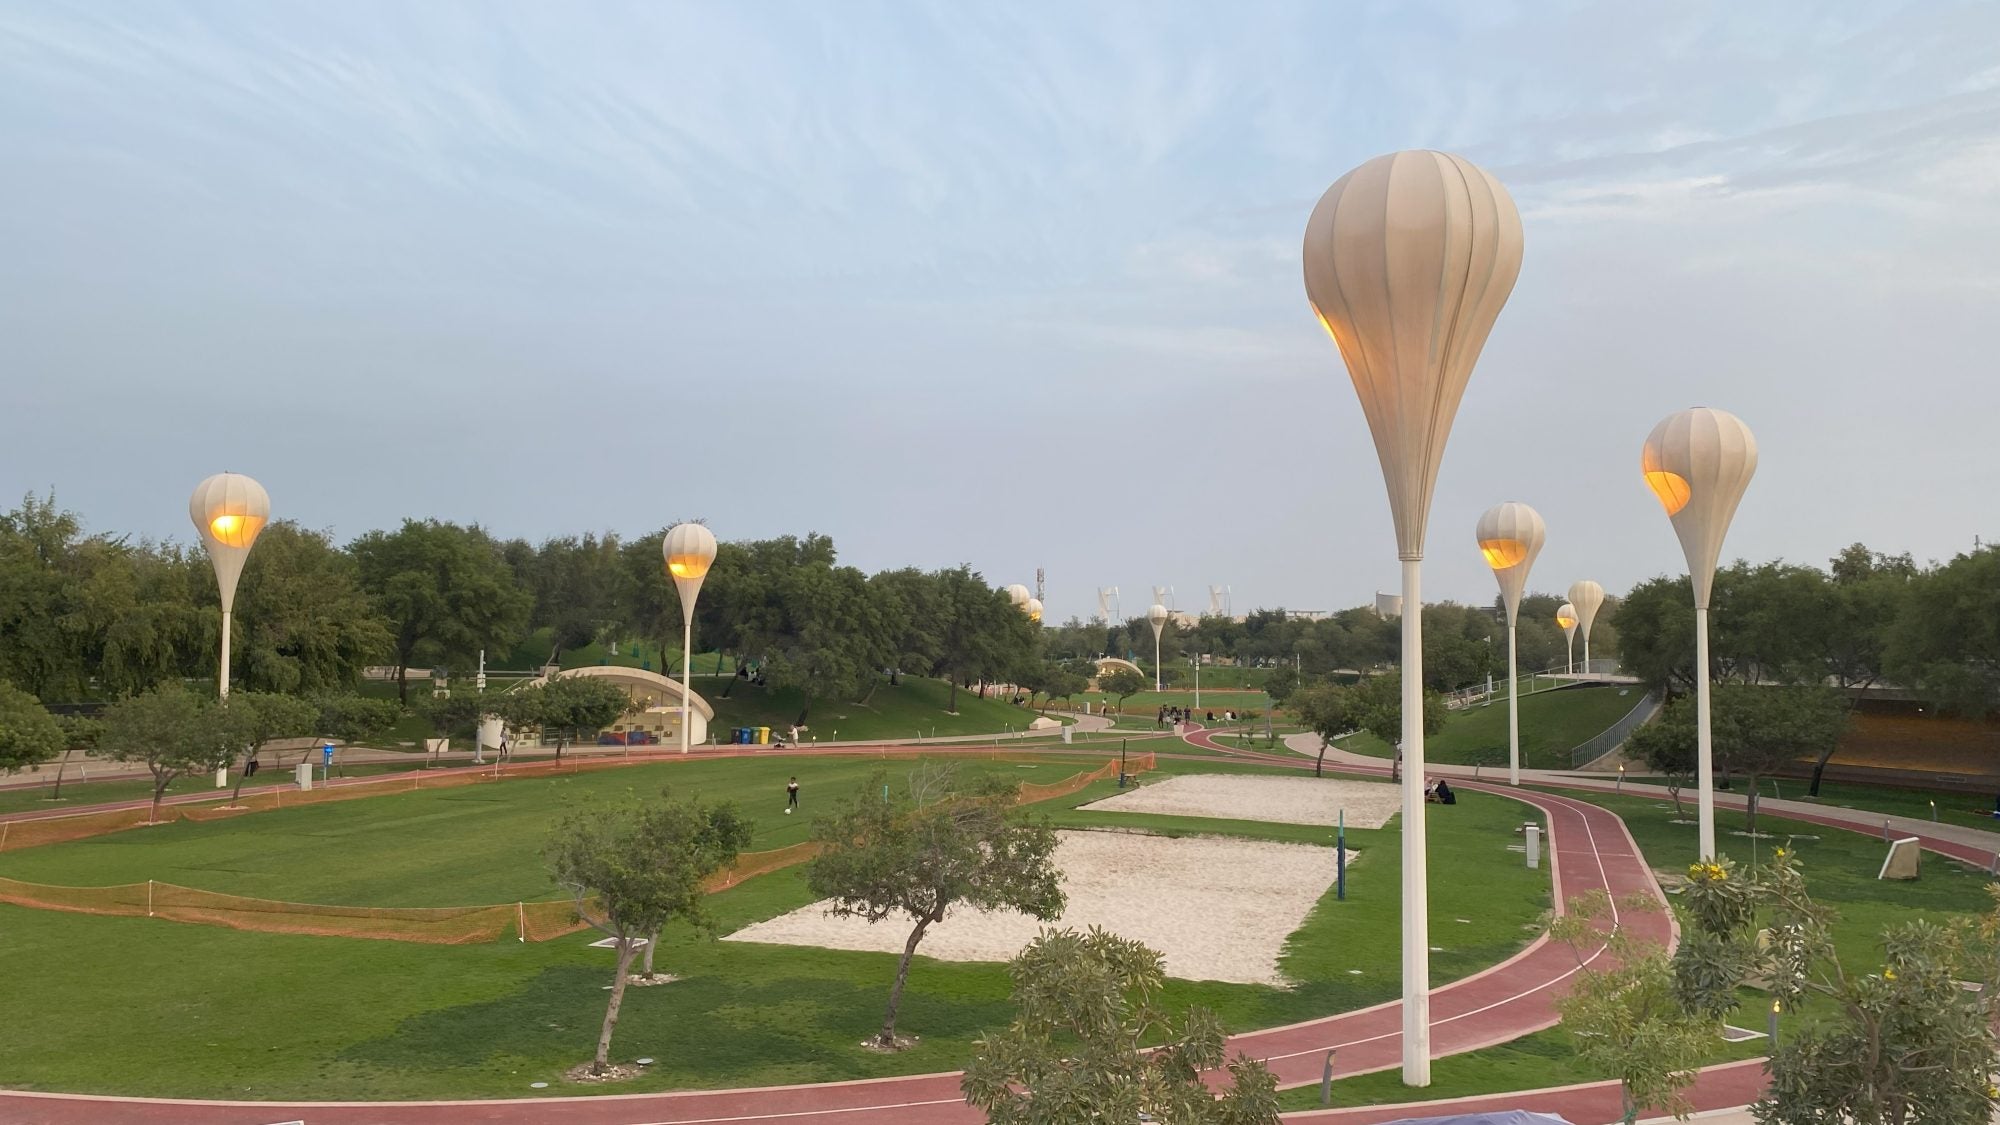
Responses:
[76,794]
[914,706]
[1963,808]
[1146,704]
[204,1011]
[1552,724]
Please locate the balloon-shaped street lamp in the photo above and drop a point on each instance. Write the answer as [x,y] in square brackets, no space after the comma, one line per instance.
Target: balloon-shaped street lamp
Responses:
[1566,621]
[1408,260]
[1157,616]
[1510,536]
[1586,596]
[1699,462]
[229,509]
[689,550]
[1017,595]
[1033,608]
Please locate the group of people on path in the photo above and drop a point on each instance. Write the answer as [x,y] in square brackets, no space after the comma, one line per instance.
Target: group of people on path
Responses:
[1178,715]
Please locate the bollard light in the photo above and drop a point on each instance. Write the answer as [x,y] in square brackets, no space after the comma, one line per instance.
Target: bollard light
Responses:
[1408,260]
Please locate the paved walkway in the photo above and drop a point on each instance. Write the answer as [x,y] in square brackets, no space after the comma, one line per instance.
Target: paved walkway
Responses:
[1589,848]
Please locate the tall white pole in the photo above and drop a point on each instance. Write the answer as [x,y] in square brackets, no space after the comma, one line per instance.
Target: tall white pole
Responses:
[1513,714]
[1416,876]
[1570,664]
[1156,659]
[1586,654]
[1704,741]
[1197,681]
[687,661]
[222,675]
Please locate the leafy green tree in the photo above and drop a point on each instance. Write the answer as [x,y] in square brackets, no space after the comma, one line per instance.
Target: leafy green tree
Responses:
[1667,746]
[1869,590]
[259,717]
[80,732]
[172,732]
[632,868]
[1327,710]
[1062,681]
[29,735]
[579,587]
[1760,730]
[1090,1041]
[354,720]
[1903,1045]
[926,849]
[1123,683]
[1624,1009]
[305,624]
[1280,684]
[1946,638]
[445,590]
[1377,707]
[566,705]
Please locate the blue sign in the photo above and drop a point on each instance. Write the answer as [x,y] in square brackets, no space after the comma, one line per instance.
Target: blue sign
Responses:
[326,754]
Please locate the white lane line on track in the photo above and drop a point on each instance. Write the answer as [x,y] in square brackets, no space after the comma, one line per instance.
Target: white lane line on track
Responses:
[795,1114]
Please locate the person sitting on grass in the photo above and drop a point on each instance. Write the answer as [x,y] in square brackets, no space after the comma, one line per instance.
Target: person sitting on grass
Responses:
[1443,793]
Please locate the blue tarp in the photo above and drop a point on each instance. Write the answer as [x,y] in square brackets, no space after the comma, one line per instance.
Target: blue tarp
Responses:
[1506,1117]
[1503,1117]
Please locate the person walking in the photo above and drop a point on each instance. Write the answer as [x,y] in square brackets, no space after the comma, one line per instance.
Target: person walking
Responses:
[791,795]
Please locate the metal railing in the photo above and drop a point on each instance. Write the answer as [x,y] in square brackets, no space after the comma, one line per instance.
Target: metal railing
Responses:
[1615,736]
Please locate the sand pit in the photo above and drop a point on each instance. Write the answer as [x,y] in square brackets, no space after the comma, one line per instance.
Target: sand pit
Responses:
[1285,800]
[1217,908]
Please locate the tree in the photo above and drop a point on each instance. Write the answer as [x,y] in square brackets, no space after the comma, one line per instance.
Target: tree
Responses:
[260,717]
[567,704]
[173,732]
[446,591]
[578,586]
[1668,747]
[1760,730]
[80,732]
[1624,1009]
[354,719]
[1090,1041]
[1327,710]
[1377,707]
[632,868]
[29,735]
[1946,640]
[304,624]
[1123,683]
[1904,1045]
[1062,681]
[1280,684]
[929,848]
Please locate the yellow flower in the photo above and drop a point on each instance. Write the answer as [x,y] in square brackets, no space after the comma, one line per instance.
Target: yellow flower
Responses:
[1781,853]
[1888,974]
[1993,1091]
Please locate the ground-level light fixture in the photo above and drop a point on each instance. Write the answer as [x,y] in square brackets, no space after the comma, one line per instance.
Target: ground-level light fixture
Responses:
[689,550]
[1510,535]
[1698,463]
[1408,260]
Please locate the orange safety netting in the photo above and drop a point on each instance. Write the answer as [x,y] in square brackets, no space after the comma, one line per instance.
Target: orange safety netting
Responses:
[447,925]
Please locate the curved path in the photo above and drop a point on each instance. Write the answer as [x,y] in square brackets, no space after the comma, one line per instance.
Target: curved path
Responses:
[1589,848]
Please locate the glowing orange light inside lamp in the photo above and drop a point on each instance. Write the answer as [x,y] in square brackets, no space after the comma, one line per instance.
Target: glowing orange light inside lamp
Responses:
[688,566]
[1671,488]
[1564,620]
[1503,553]
[232,530]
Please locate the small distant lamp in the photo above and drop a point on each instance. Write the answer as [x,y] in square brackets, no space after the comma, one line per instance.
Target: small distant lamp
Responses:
[1510,535]
[1157,617]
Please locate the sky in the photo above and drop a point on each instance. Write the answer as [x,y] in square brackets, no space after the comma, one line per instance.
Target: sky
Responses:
[1010,285]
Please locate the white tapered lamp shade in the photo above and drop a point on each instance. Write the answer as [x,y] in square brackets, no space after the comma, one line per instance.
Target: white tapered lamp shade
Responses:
[688,550]
[1018,595]
[1033,608]
[1566,619]
[1586,596]
[1408,260]
[1698,463]
[229,510]
[1510,536]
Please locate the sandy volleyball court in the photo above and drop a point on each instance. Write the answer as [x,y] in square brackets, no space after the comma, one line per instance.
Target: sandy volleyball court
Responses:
[1285,800]
[1216,908]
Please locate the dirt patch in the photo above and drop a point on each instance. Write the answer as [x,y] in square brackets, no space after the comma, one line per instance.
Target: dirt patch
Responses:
[1280,800]
[615,1072]
[902,1043]
[1217,908]
[640,980]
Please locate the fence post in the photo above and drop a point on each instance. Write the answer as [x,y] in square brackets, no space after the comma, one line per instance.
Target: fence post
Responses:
[521,920]
[149,898]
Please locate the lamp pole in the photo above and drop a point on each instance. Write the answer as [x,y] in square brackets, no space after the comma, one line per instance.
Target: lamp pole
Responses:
[229,510]
[1510,535]
[1157,618]
[689,550]
[1408,260]
[1586,596]
[1698,463]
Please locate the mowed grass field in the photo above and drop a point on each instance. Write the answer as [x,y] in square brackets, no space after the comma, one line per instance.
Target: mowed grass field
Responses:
[206,1012]
[1552,724]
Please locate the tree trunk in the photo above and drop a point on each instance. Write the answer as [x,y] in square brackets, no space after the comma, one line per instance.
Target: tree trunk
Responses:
[236,795]
[652,943]
[1674,791]
[953,705]
[1751,821]
[1631,1110]
[160,783]
[402,681]
[888,1036]
[1819,769]
[1318,765]
[60,767]
[611,1010]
